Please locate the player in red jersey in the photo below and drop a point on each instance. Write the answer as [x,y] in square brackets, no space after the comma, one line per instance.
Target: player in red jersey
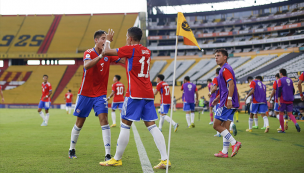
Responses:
[118,91]
[1,93]
[164,90]
[139,101]
[92,92]
[301,79]
[45,100]
[68,97]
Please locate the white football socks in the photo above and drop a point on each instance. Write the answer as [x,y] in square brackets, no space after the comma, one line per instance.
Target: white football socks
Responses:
[47,116]
[250,123]
[70,109]
[167,118]
[256,122]
[188,119]
[74,136]
[161,121]
[228,136]
[113,117]
[106,136]
[122,141]
[192,117]
[67,108]
[231,124]
[42,115]
[226,144]
[159,141]
[266,122]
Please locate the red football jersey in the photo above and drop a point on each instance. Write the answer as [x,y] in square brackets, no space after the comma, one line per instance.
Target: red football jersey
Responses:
[119,90]
[137,69]
[215,82]
[95,80]
[302,77]
[274,86]
[164,90]
[68,97]
[46,88]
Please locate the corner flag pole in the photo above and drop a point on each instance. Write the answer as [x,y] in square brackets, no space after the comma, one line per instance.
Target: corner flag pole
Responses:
[172,96]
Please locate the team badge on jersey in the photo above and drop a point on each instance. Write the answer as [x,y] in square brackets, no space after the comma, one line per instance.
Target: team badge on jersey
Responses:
[77,110]
[88,56]
[106,59]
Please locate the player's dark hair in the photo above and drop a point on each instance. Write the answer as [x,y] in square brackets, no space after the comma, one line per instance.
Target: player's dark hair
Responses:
[259,78]
[46,76]
[118,77]
[161,77]
[223,51]
[249,78]
[277,75]
[187,78]
[283,71]
[135,33]
[70,90]
[99,33]
[217,71]
[209,80]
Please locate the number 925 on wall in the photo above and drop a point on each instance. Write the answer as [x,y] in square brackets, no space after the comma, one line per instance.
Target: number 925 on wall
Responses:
[22,40]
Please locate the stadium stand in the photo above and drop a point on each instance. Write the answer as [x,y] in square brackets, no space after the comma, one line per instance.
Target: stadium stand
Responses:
[31,34]
[9,27]
[156,68]
[181,67]
[30,91]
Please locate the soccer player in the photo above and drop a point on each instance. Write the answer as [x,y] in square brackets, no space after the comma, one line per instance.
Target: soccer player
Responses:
[259,103]
[190,99]
[68,97]
[285,99]
[251,115]
[164,90]
[215,91]
[118,91]
[92,93]
[139,101]
[228,105]
[301,79]
[212,97]
[1,93]
[276,105]
[45,100]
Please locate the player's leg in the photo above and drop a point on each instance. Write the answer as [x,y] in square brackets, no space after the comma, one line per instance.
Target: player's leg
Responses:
[67,108]
[218,134]
[113,115]
[293,119]
[167,118]
[237,116]
[192,108]
[186,108]
[70,108]
[161,117]
[211,113]
[100,106]
[131,111]
[47,115]
[254,110]
[263,108]
[40,107]
[82,110]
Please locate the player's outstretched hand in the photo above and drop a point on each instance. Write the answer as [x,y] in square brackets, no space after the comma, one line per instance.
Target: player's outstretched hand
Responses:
[229,104]
[110,35]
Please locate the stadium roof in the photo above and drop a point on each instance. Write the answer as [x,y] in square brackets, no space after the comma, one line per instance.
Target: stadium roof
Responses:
[181,2]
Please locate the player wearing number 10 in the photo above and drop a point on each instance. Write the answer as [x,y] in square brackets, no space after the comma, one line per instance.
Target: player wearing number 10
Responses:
[118,91]
[164,90]
[139,101]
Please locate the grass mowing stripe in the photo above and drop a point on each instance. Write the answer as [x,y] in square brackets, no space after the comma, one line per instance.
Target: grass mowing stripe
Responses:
[298,145]
[275,139]
[143,157]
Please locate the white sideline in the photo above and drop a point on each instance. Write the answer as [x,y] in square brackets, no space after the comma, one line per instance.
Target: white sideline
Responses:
[143,157]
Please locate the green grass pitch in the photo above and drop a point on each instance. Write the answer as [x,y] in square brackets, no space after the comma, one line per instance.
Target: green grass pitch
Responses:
[25,146]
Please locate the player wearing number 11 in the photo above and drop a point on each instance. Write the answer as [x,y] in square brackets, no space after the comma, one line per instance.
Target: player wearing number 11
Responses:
[139,101]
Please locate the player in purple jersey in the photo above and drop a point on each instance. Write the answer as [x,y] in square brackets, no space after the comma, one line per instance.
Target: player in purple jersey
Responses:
[190,98]
[259,103]
[229,104]
[285,99]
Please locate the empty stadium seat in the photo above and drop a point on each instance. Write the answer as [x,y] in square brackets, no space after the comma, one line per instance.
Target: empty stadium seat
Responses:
[181,67]
[156,68]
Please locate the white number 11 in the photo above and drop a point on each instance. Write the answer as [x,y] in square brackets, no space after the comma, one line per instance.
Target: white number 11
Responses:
[142,61]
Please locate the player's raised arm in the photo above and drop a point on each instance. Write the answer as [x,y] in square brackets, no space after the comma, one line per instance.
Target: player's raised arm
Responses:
[90,63]
[108,51]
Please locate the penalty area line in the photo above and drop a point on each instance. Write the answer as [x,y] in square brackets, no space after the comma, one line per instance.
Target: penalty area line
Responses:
[143,157]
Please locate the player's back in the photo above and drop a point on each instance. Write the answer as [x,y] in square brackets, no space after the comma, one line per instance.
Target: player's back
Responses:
[138,67]
[68,97]
[119,90]
[287,88]
[164,89]
[189,91]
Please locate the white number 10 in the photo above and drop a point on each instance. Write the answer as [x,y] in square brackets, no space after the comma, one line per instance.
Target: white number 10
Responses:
[142,61]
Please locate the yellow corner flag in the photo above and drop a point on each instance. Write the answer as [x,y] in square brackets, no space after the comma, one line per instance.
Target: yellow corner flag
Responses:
[183,29]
